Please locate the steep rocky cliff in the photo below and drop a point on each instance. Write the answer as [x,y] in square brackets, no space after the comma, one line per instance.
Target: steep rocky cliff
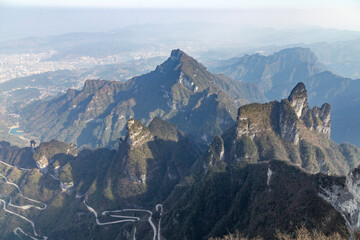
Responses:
[277,74]
[317,119]
[259,177]
[142,172]
[256,200]
[287,130]
[344,195]
[252,179]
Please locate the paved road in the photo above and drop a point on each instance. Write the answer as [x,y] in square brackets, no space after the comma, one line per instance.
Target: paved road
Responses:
[24,207]
[115,214]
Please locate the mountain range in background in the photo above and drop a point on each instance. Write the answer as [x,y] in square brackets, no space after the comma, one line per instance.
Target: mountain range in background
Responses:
[18,92]
[338,50]
[262,167]
[275,75]
[129,143]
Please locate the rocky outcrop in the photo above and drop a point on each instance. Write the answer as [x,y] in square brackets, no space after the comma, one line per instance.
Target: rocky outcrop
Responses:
[289,120]
[176,54]
[255,118]
[43,164]
[344,196]
[289,130]
[284,117]
[91,86]
[47,153]
[137,134]
[322,120]
[149,153]
[213,156]
[316,119]
[298,99]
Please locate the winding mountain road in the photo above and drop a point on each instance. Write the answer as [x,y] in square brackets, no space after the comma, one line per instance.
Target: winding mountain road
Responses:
[105,223]
[6,164]
[112,213]
[25,207]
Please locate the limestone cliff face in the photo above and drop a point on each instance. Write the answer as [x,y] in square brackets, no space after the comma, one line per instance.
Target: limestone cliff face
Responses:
[284,118]
[344,196]
[316,119]
[149,154]
[133,161]
[137,133]
[322,120]
[48,153]
[289,119]
[288,130]
[298,99]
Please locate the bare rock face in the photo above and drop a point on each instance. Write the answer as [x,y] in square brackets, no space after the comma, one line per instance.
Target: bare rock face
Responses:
[134,159]
[316,119]
[298,99]
[289,121]
[42,164]
[344,196]
[137,133]
[284,117]
[322,120]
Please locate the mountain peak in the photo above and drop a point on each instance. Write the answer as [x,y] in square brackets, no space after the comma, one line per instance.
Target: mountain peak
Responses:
[92,85]
[176,54]
[290,114]
[298,98]
[182,91]
[298,91]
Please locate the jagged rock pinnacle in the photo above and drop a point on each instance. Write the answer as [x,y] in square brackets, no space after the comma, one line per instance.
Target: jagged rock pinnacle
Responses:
[298,99]
[299,91]
[293,112]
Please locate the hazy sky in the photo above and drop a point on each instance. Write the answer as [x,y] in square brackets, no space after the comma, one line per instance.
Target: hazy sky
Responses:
[188,3]
[22,18]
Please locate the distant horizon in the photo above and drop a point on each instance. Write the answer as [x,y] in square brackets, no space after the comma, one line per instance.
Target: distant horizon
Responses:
[22,22]
[187,4]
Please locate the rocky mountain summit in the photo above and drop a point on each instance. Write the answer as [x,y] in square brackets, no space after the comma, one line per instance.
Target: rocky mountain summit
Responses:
[257,176]
[275,74]
[287,130]
[316,119]
[180,90]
